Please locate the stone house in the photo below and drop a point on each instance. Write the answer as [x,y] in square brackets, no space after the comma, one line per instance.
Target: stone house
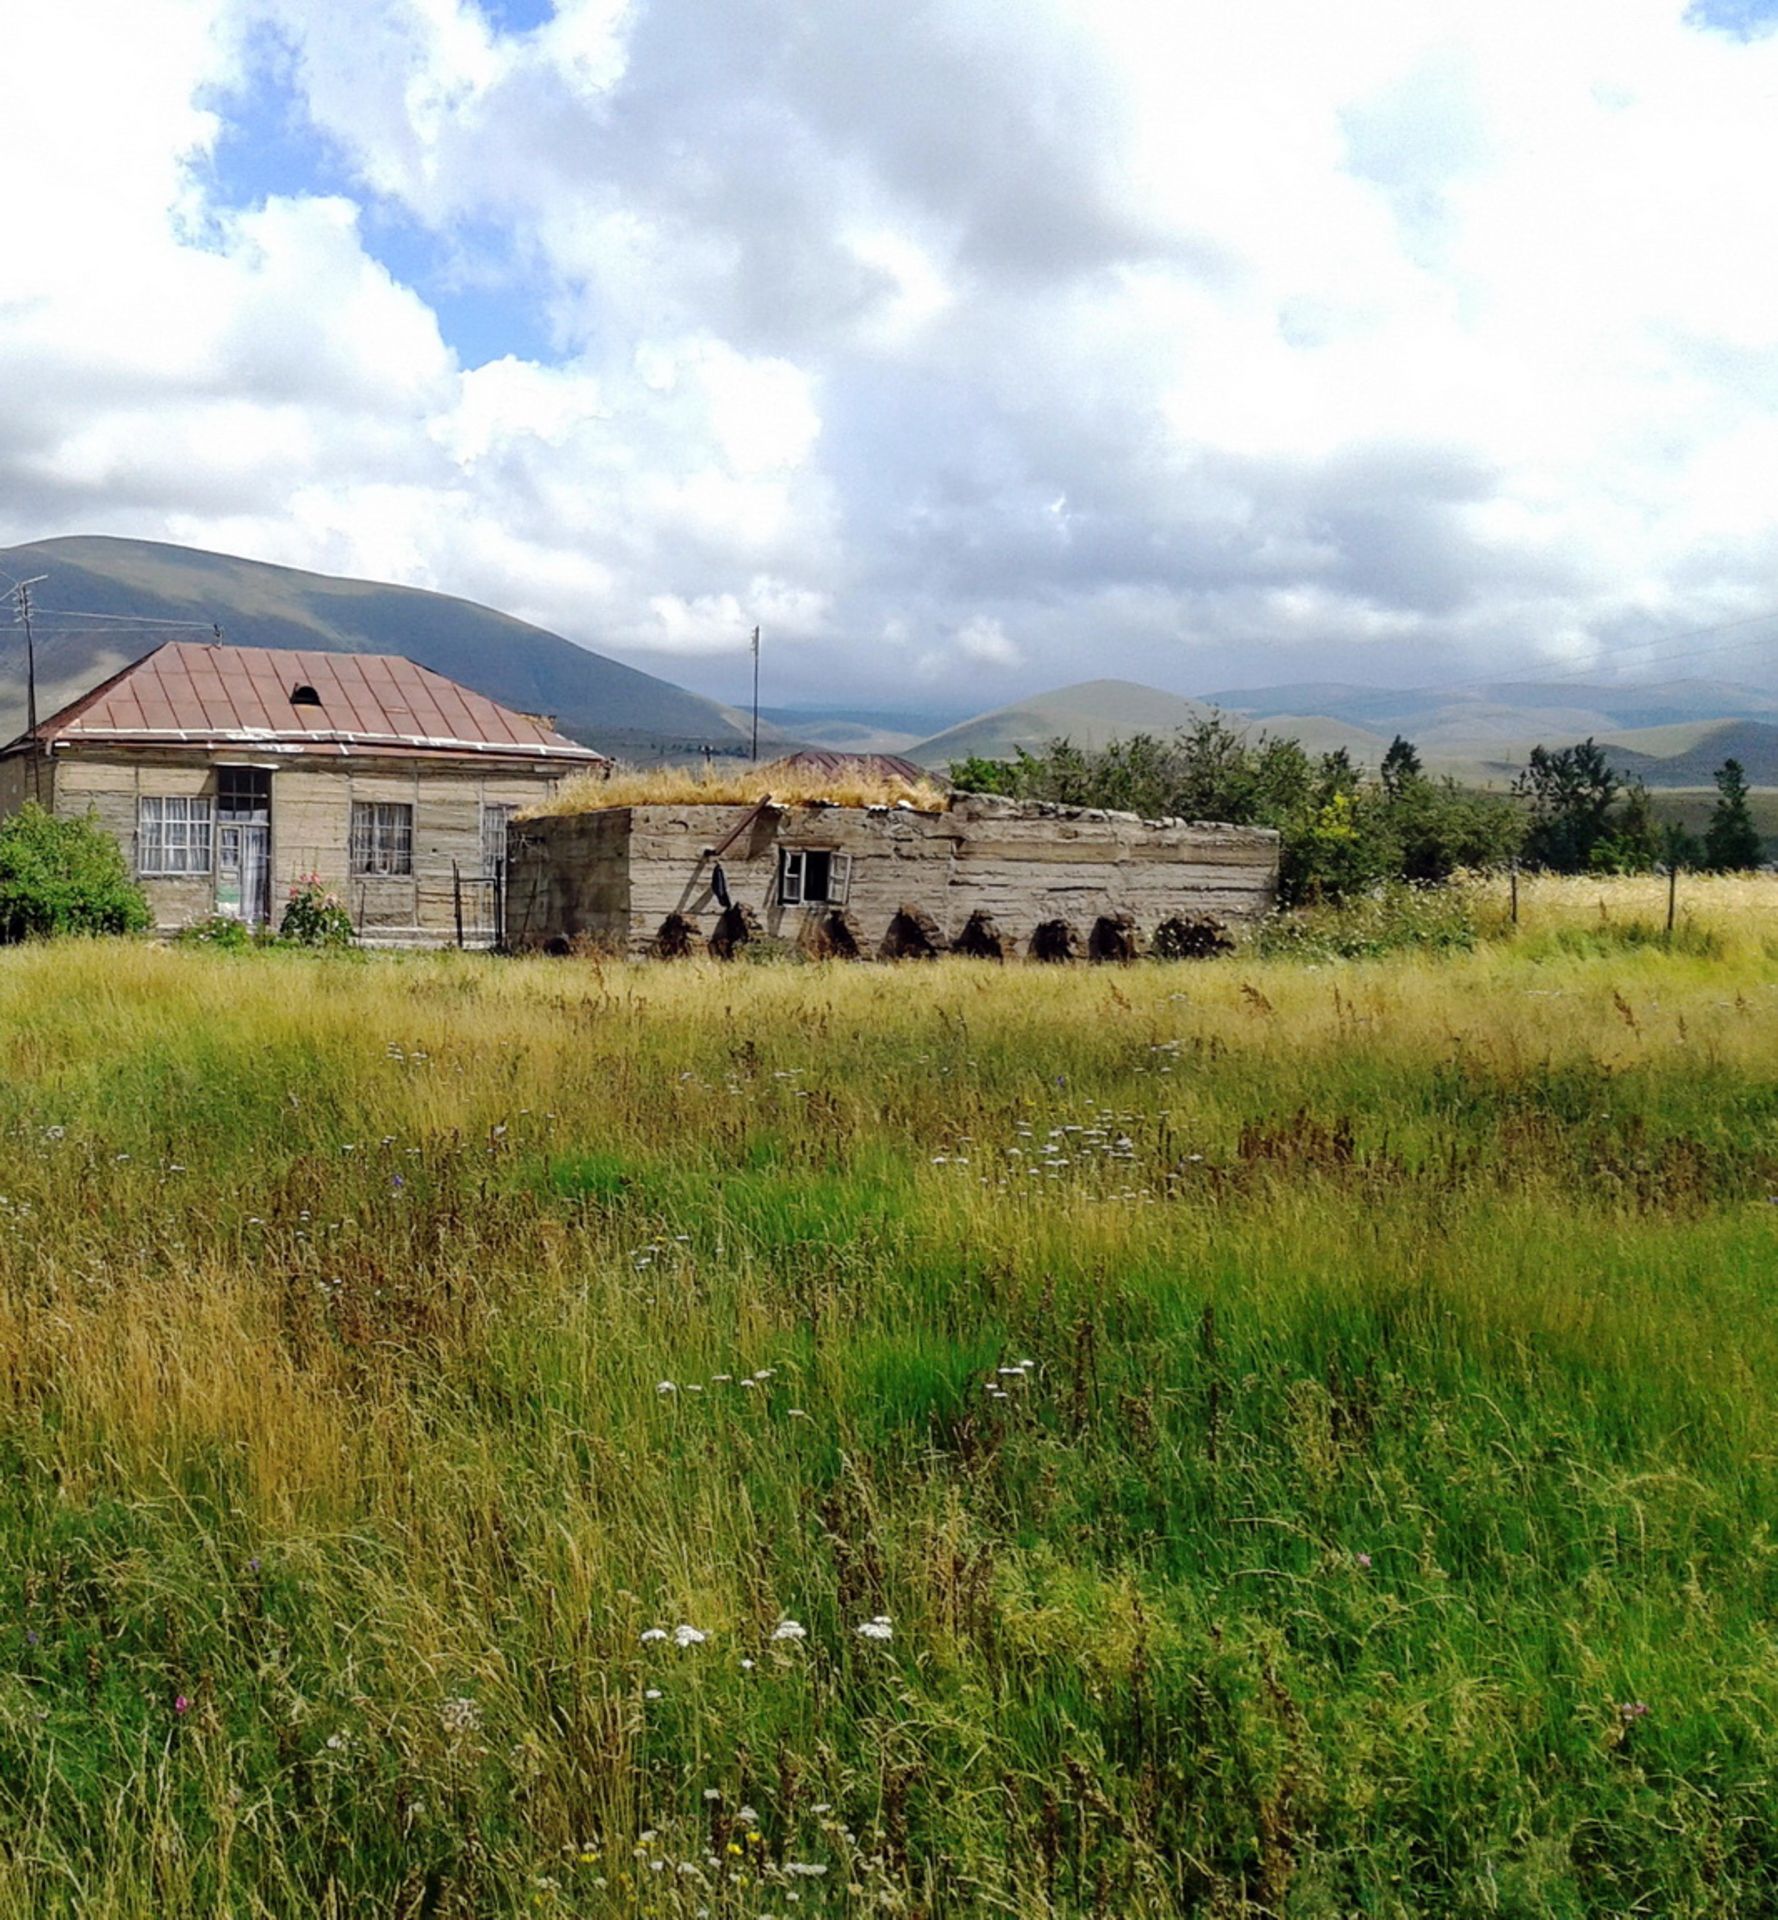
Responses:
[987,876]
[226,773]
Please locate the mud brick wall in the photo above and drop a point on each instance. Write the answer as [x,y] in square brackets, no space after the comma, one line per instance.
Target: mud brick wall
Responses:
[617,877]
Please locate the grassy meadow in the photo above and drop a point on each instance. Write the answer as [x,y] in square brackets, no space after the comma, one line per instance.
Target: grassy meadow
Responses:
[483,1438]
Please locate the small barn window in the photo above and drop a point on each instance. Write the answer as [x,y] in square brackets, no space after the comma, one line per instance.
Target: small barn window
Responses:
[813,877]
[304,696]
[382,837]
[173,834]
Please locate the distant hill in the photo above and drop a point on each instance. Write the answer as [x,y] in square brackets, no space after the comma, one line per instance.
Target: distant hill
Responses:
[1468,721]
[1671,735]
[1689,755]
[1092,714]
[98,607]
[859,729]
[1096,712]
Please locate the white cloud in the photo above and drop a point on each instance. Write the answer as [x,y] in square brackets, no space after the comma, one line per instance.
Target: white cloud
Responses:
[984,640]
[1417,336]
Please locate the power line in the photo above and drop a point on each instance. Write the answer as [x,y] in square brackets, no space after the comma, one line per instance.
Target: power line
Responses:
[124,619]
[1668,640]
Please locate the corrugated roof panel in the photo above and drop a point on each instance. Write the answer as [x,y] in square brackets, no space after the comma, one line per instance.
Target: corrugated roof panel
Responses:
[209,691]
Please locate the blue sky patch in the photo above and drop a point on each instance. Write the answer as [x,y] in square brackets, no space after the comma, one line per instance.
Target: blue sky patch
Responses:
[1744,19]
[480,292]
[517,16]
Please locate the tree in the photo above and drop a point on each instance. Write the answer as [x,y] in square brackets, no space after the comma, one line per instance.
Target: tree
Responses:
[63,876]
[1401,767]
[1632,842]
[1731,840]
[1570,792]
[1439,828]
[1343,834]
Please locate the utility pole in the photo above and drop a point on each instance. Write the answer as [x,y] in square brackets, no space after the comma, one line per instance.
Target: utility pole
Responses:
[756,696]
[22,594]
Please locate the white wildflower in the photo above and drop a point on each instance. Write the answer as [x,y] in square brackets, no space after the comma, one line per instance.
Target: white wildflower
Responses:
[790,1630]
[653,1633]
[667,1386]
[459,1715]
[684,1636]
[877,1629]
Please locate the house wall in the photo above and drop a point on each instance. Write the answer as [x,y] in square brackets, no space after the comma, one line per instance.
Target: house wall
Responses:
[311,830]
[615,876]
[16,787]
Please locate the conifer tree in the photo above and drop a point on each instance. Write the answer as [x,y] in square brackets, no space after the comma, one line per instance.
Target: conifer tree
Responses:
[1731,841]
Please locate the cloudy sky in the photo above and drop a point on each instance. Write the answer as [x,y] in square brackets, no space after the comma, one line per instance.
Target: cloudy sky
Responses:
[968,346]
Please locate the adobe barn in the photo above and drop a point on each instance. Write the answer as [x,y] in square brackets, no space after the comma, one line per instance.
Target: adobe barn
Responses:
[986,876]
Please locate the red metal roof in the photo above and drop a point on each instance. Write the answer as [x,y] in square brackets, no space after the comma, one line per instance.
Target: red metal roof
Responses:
[860,766]
[191,694]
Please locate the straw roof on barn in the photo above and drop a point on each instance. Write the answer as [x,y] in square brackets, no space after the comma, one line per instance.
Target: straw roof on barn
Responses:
[808,779]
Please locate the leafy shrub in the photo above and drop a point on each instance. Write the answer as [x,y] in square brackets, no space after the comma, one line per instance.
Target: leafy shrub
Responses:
[64,876]
[219,931]
[313,917]
[1437,919]
[1336,850]
[1342,832]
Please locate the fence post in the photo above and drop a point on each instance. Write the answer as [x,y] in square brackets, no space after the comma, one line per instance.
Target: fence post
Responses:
[457,898]
[1672,893]
[1515,891]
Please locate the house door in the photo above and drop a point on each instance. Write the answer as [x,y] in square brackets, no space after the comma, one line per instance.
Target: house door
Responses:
[244,843]
[484,908]
[243,872]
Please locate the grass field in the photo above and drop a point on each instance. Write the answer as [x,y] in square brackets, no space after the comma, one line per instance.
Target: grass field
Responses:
[482,1438]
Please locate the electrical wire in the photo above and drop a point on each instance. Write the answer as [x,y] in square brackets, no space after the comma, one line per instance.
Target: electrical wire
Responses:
[40,614]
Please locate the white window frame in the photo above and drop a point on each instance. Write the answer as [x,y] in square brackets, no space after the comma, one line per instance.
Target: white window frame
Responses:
[382,839]
[175,835]
[793,872]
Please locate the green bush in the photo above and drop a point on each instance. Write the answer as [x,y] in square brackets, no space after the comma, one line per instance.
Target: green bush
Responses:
[313,917]
[1342,832]
[1438,919]
[221,931]
[63,876]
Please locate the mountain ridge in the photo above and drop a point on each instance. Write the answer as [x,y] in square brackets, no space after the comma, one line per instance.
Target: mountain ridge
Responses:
[106,600]
[1671,733]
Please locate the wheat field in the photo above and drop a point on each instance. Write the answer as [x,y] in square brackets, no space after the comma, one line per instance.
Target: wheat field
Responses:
[1250,1438]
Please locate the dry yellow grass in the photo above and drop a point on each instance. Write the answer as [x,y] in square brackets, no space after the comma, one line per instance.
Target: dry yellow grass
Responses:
[684,786]
[1730,904]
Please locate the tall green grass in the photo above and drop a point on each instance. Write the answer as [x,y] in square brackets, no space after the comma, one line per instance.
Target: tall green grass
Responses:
[1310,1431]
